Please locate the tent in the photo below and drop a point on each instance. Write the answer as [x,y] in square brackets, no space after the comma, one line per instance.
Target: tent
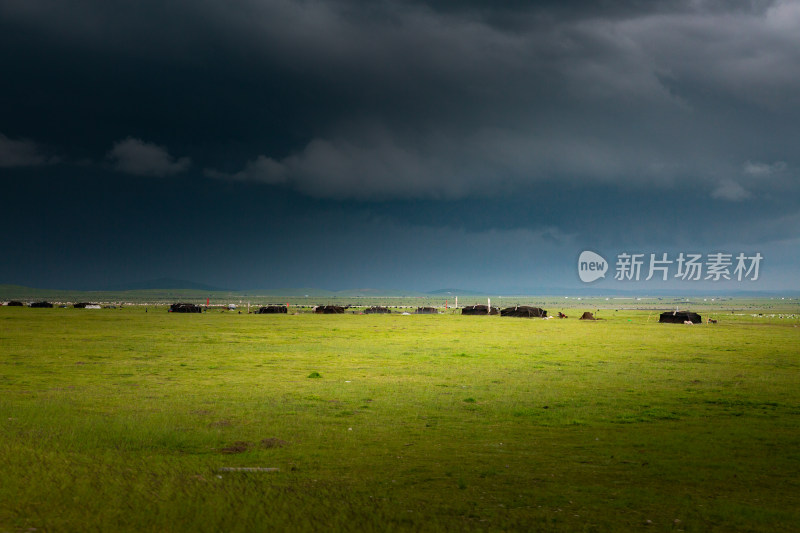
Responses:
[83,305]
[42,305]
[15,303]
[679,317]
[426,311]
[587,316]
[329,310]
[377,310]
[272,309]
[185,308]
[479,310]
[524,311]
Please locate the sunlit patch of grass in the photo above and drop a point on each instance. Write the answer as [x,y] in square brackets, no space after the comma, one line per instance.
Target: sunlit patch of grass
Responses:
[125,421]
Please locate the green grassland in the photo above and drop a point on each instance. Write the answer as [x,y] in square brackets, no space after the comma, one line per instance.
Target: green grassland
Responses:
[126,420]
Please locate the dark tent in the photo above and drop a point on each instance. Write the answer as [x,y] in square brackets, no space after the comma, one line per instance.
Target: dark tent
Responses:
[679,317]
[479,310]
[587,316]
[426,311]
[15,303]
[185,308]
[377,311]
[329,310]
[524,311]
[42,305]
[272,309]
[82,305]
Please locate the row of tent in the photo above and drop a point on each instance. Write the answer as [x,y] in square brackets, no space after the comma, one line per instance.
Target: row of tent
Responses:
[523,311]
[48,305]
[36,305]
[668,317]
[40,305]
[193,308]
[375,310]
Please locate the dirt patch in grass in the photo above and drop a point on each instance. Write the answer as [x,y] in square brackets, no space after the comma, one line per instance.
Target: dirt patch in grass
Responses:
[237,447]
[220,424]
[273,442]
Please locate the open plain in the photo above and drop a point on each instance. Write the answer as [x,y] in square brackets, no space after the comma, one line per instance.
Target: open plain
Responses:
[121,419]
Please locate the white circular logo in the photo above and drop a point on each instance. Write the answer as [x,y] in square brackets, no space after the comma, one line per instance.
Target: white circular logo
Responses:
[591,266]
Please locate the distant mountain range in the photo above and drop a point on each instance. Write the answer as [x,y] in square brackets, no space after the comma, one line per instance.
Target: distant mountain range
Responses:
[163,283]
[173,288]
[455,292]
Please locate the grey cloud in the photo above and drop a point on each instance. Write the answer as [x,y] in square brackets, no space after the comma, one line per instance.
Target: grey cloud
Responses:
[752,181]
[21,153]
[485,163]
[262,169]
[342,168]
[752,54]
[467,98]
[524,129]
[730,190]
[467,107]
[134,156]
[758,169]
[751,57]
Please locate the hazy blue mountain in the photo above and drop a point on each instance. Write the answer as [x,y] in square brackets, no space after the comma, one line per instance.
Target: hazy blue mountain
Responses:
[163,283]
[456,292]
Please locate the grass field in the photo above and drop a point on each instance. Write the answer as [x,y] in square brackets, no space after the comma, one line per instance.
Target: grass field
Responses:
[124,420]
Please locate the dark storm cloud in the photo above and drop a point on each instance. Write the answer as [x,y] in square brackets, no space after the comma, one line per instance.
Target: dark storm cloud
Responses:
[553,124]
[414,100]
[446,104]
[135,156]
[21,153]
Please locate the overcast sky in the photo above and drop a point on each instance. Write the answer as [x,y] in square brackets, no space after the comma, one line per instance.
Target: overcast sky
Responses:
[413,145]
